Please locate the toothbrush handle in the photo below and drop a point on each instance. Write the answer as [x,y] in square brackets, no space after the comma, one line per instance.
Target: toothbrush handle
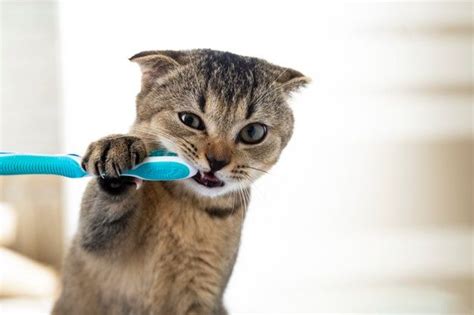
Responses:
[160,166]
[23,164]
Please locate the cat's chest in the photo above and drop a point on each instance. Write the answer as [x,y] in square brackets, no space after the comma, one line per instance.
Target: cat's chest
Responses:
[171,224]
[183,232]
[178,248]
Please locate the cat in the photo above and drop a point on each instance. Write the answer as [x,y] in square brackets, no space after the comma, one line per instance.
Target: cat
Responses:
[168,248]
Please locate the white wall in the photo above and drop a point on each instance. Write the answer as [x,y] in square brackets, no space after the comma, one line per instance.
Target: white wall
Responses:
[30,97]
[370,206]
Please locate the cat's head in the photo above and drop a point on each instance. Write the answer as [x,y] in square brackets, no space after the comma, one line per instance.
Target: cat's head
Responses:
[225,114]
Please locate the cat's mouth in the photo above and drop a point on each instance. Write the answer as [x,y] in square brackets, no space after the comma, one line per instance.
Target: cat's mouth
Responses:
[208,179]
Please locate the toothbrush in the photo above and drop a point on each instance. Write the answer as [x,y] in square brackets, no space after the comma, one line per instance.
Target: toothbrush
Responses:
[160,165]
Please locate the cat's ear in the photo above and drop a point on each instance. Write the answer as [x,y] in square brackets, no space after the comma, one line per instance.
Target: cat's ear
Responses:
[155,64]
[289,79]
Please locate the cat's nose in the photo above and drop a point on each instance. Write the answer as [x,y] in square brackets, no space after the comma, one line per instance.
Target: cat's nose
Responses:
[216,164]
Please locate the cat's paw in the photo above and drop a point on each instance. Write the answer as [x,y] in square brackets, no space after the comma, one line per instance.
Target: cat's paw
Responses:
[109,157]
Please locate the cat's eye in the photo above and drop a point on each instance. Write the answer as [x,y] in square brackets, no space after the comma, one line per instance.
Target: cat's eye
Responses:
[253,133]
[191,120]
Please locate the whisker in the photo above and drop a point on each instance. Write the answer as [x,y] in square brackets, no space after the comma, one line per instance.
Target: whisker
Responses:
[257,169]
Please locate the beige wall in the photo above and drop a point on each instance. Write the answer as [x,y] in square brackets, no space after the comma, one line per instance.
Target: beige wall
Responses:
[30,121]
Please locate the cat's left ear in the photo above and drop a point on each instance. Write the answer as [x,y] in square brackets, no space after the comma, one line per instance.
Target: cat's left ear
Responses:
[289,79]
[157,63]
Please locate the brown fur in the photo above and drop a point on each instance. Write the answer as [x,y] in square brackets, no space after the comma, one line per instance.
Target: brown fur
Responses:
[170,247]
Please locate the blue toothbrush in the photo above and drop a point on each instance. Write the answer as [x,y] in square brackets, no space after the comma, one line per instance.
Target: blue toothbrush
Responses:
[161,165]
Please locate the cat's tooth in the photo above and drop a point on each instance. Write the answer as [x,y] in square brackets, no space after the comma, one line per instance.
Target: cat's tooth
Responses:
[138,183]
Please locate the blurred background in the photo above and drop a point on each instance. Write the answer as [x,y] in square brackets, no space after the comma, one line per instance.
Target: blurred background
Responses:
[370,208]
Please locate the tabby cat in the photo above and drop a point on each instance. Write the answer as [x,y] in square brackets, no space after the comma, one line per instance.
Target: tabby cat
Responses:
[168,248]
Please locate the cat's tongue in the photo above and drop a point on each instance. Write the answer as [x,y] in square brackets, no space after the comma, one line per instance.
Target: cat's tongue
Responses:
[208,179]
